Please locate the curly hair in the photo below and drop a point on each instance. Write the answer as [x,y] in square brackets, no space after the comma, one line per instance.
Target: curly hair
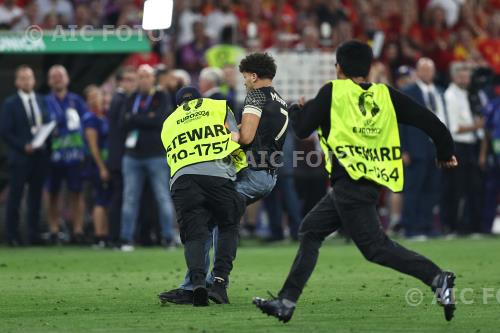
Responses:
[261,64]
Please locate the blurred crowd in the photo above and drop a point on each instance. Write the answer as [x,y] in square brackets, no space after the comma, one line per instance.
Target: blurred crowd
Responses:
[103,170]
[444,30]
[454,202]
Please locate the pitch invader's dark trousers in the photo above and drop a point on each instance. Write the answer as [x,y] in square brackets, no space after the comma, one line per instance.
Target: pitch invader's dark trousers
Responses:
[351,204]
[199,201]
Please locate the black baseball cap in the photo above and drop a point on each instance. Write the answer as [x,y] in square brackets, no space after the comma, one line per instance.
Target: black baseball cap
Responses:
[186,94]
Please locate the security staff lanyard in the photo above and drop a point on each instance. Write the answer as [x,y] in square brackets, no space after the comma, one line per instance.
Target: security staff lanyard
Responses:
[137,103]
[133,137]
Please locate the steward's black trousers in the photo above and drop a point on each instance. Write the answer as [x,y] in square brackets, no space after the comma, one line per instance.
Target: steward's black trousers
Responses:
[351,204]
[201,203]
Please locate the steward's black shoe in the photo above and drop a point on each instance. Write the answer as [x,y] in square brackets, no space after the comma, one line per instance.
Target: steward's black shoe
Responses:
[176,296]
[443,290]
[218,292]
[200,296]
[276,307]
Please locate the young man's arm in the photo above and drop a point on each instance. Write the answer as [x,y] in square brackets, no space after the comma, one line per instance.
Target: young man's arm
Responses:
[411,113]
[252,112]
[249,124]
[313,114]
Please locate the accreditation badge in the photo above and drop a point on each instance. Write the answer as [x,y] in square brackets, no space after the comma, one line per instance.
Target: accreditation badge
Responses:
[72,119]
[132,139]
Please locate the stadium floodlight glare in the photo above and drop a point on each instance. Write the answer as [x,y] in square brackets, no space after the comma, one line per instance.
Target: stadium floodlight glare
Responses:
[157,14]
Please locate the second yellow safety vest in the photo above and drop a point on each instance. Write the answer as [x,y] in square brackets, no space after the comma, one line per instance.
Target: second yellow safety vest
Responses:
[364,134]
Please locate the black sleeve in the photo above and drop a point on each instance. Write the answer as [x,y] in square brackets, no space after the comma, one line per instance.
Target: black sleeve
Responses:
[115,108]
[255,99]
[314,114]
[7,130]
[124,113]
[411,113]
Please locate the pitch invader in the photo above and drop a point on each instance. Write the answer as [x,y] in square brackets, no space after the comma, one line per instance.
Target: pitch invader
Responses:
[262,134]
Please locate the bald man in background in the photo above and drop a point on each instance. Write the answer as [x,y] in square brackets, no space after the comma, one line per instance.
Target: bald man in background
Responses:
[421,190]
[67,154]
[209,81]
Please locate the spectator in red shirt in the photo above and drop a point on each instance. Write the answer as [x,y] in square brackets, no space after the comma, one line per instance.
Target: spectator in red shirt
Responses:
[219,18]
[438,36]
[10,14]
[50,22]
[465,48]
[264,27]
[29,18]
[342,32]
[284,16]
[82,15]
[146,58]
[490,47]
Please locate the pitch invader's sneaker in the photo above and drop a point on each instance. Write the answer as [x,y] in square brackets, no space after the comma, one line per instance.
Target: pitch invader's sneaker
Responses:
[443,290]
[177,296]
[276,307]
[200,296]
[218,292]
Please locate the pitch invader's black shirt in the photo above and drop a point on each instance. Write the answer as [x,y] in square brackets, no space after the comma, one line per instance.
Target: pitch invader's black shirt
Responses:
[272,109]
[316,114]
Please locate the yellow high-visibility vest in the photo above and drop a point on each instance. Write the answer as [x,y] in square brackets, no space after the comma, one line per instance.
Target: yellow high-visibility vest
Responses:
[195,133]
[364,134]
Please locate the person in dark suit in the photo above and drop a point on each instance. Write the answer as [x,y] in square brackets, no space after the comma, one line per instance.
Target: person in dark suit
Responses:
[22,116]
[421,190]
[142,119]
[127,84]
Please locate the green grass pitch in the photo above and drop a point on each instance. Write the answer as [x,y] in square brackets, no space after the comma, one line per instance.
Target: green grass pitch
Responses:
[85,290]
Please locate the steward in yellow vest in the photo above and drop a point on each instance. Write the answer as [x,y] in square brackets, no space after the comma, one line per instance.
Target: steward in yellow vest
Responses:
[198,146]
[364,134]
[195,133]
[357,124]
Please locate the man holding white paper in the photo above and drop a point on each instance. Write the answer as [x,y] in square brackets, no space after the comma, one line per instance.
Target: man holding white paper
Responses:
[23,115]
